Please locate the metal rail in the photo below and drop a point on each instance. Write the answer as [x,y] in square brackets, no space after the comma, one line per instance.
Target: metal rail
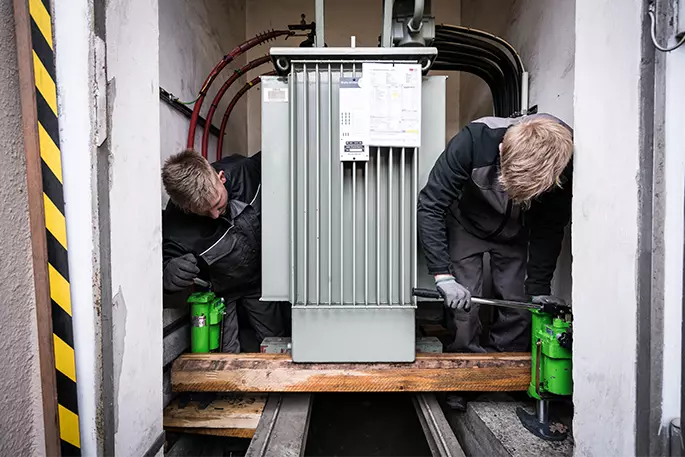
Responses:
[439,435]
[283,427]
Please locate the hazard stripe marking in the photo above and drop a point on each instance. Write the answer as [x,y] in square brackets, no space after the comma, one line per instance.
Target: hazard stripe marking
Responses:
[42,48]
[47,119]
[68,429]
[40,14]
[68,449]
[45,84]
[47,111]
[66,392]
[54,221]
[59,289]
[50,153]
[64,358]
[52,187]
[61,324]
[58,256]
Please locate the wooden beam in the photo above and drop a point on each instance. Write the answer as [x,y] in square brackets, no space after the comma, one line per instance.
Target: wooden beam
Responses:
[34,193]
[278,373]
[227,415]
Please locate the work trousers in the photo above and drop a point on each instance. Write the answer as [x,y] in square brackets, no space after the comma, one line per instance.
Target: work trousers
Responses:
[510,330]
[265,319]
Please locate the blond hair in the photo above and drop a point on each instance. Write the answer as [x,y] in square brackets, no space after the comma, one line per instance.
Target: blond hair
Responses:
[191,182]
[534,154]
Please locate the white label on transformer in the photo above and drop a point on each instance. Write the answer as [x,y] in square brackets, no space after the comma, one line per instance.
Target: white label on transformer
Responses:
[394,96]
[354,120]
[275,94]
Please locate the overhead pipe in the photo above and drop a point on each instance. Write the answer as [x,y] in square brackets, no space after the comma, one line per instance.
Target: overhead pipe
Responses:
[417,20]
[228,58]
[219,95]
[249,85]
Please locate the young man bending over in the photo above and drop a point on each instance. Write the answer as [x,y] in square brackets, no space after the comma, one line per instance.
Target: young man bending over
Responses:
[211,230]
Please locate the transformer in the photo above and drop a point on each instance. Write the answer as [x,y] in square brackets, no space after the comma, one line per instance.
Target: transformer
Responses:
[339,235]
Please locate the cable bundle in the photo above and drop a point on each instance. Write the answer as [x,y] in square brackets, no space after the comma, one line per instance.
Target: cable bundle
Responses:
[487,56]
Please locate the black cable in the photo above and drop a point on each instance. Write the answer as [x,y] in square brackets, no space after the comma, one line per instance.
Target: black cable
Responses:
[170,100]
[486,56]
[480,48]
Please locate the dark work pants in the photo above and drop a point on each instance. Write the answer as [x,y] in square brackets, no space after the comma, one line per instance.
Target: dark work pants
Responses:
[265,318]
[510,330]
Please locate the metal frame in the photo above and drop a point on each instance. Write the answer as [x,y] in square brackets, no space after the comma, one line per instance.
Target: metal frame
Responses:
[283,57]
[283,427]
[439,434]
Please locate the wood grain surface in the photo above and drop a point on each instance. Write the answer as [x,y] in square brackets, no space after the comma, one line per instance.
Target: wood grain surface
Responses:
[234,415]
[278,373]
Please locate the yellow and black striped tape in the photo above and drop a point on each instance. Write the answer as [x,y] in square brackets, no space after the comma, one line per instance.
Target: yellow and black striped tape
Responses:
[55,225]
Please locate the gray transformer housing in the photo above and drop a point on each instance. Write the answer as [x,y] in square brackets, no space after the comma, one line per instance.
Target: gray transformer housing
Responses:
[339,238]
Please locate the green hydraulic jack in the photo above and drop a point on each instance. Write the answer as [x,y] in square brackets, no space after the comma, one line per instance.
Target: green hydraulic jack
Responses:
[551,375]
[207,318]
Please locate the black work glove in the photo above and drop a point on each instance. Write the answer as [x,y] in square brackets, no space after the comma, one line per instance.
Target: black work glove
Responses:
[547,300]
[455,295]
[179,273]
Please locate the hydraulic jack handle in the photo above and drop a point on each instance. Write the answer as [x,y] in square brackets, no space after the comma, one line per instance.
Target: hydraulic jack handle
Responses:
[549,308]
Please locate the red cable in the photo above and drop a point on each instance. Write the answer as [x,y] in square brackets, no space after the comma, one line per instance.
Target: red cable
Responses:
[230,107]
[215,103]
[249,44]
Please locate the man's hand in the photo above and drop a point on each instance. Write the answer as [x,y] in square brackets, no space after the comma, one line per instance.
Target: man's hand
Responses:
[179,273]
[547,300]
[455,295]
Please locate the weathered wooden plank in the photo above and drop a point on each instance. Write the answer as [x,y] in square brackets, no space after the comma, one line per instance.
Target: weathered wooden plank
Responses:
[278,373]
[228,415]
[229,432]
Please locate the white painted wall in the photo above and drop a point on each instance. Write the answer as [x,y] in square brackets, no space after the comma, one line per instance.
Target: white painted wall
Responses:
[542,31]
[361,18]
[673,230]
[73,41]
[136,255]
[605,224]
[193,37]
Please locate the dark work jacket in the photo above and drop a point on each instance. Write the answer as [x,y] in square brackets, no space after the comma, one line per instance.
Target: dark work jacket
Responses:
[464,185]
[228,249]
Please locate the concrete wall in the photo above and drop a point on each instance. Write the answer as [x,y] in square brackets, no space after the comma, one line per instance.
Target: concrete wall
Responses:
[673,231]
[193,38]
[543,34]
[21,423]
[605,224]
[135,221]
[542,31]
[361,18]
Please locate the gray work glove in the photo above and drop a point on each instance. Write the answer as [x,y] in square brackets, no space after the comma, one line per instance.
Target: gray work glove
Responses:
[455,295]
[547,300]
[179,273]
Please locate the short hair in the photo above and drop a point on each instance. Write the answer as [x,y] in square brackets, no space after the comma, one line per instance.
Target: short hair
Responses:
[534,154]
[190,181]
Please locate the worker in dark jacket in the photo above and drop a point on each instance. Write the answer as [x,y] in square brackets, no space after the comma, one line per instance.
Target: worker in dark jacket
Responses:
[211,230]
[502,186]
